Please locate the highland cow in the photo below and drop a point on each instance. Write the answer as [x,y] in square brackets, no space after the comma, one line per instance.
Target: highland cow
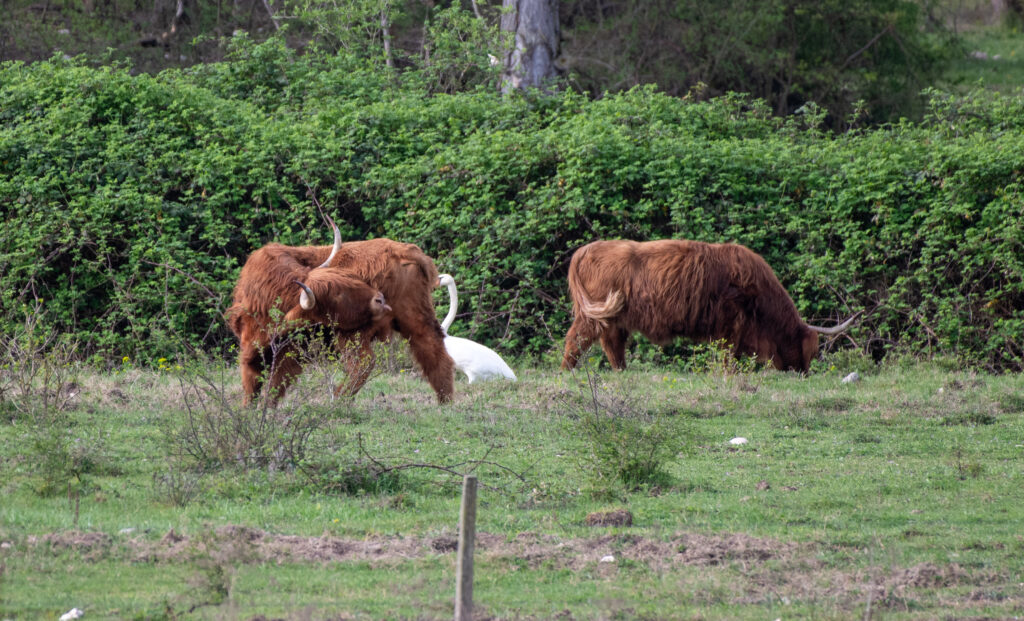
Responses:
[677,288]
[339,307]
[401,272]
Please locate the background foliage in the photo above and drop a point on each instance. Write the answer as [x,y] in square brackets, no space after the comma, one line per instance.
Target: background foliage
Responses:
[130,201]
[787,52]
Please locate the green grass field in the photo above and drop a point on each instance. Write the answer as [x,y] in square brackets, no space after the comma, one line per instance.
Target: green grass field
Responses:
[895,497]
[994,59]
[900,496]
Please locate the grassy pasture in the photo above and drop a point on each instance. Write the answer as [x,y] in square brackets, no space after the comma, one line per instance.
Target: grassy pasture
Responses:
[994,58]
[895,497]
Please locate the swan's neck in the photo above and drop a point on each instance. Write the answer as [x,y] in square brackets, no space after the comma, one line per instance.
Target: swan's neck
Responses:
[453,307]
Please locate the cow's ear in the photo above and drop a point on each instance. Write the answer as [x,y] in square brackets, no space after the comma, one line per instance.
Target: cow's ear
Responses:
[295,314]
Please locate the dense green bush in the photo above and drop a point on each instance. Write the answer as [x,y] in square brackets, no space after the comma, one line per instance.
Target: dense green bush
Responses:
[130,202]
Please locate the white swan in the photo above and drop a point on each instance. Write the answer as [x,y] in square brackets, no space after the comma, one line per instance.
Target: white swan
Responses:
[477,361]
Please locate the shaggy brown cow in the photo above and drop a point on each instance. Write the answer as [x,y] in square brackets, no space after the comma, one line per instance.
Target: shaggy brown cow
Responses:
[351,309]
[401,272]
[671,288]
[345,308]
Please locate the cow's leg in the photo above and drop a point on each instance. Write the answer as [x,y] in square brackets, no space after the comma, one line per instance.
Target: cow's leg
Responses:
[428,350]
[250,362]
[581,336]
[359,365]
[284,368]
[613,342]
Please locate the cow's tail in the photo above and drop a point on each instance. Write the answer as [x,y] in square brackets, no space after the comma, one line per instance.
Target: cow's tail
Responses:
[583,306]
[601,312]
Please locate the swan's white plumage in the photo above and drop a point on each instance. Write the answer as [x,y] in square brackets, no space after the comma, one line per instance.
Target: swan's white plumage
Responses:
[477,361]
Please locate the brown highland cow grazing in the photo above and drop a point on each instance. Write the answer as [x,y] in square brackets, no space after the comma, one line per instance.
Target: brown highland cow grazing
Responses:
[401,272]
[671,288]
[346,308]
[351,309]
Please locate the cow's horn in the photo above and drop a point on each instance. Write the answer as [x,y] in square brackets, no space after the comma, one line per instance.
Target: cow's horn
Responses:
[835,329]
[307,300]
[337,242]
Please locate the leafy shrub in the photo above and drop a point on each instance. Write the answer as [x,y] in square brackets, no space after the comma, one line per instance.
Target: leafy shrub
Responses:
[215,431]
[346,473]
[132,201]
[624,445]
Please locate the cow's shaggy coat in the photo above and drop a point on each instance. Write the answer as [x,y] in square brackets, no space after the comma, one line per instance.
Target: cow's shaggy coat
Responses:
[401,272]
[677,288]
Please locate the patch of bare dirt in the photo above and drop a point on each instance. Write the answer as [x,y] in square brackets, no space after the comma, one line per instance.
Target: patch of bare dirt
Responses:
[771,570]
[262,546]
[91,545]
[619,517]
[683,549]
[255,545]
[928,575]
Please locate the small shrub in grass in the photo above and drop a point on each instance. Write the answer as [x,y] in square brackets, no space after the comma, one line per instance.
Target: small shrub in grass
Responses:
[177,483]
[625,445]
[216,430]
[345,474]
[1011,403]
[59,459]
[39,388]
[38,373]
[62,455]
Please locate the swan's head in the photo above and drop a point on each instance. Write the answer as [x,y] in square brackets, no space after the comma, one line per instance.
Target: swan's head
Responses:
[445,280]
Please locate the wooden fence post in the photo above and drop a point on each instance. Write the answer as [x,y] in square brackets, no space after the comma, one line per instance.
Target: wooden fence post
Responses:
[467,541]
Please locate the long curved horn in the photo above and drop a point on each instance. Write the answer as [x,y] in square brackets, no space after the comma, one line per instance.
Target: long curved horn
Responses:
[307,300]
[337,243]
[835,329]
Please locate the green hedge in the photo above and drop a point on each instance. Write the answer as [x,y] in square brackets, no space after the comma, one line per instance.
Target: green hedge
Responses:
[129,202]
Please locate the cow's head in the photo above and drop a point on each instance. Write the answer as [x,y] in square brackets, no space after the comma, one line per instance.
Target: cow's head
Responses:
[788,352]
[331,297]
[798,355]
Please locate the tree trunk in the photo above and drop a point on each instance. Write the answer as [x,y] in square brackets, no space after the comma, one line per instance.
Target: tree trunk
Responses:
[1000,8]
[536,38]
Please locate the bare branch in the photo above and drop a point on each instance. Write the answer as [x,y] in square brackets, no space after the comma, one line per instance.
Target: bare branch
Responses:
[209,292]
[270,12]
[873,40]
